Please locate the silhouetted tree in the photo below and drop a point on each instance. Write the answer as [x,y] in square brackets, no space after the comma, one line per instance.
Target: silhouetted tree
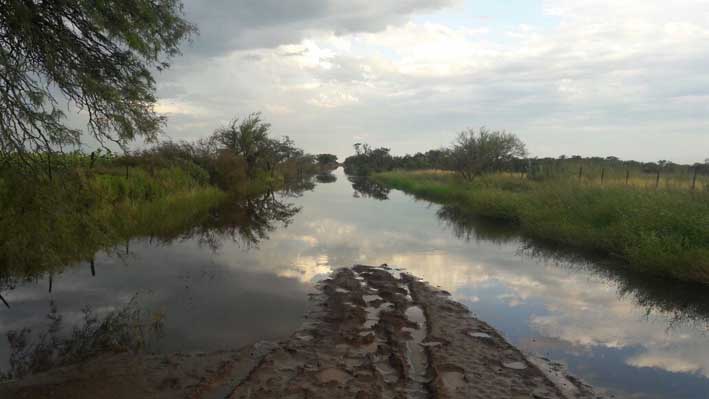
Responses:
[97,55]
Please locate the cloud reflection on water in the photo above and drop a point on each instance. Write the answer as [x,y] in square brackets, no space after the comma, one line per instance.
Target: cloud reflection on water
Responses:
[616,329]
[578,307]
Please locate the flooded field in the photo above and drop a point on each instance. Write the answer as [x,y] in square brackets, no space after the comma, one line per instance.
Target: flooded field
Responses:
[223,288]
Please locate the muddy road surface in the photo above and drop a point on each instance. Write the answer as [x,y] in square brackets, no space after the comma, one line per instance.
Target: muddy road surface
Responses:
[373,332]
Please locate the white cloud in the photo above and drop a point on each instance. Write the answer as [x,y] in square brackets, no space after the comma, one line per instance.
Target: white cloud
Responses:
[627,79]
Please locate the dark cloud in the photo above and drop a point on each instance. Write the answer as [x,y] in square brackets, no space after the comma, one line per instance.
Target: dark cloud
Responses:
[227,25]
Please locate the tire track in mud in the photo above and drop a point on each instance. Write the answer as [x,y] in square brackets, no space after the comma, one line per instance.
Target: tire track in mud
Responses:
[378,333]
[373,332]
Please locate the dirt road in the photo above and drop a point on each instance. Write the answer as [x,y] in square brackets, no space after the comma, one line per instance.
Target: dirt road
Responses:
[374,332]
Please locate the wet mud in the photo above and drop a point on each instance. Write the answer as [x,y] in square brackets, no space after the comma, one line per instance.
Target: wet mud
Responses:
[373,332]
[380,333]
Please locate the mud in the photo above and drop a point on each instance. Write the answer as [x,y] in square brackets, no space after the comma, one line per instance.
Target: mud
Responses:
[385,334]
[123,376]
[373,332]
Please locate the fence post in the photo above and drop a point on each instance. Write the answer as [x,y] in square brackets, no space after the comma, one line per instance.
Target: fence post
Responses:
[580,172]
[529,167]
[627,176]
[603,175]
[657,181]
[694,179]
[4,301]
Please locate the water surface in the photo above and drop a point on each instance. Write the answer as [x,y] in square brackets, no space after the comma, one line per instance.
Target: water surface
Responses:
[223,287]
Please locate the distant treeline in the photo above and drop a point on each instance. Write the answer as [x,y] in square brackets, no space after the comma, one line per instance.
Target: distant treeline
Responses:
[367,161]
[476,153]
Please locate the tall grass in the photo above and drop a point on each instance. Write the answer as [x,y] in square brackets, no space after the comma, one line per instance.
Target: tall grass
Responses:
[619,173]
[663,232]
[47,224]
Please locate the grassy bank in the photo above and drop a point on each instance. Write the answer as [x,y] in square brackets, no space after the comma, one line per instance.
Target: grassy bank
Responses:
[663,232]
[47,224]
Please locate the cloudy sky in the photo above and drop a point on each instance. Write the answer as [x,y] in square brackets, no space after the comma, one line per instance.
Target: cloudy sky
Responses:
[589,77]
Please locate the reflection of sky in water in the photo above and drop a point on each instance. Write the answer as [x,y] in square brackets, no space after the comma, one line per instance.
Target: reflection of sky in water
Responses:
[238,296]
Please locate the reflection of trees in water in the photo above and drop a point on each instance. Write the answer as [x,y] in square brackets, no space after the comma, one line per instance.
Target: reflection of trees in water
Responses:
[468,227]
[366,188]
[295,188]
[326,178]
[682,303]
[247,221]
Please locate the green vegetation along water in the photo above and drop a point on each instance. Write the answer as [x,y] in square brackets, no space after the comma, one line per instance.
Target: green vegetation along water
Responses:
[660,232]
[242,274]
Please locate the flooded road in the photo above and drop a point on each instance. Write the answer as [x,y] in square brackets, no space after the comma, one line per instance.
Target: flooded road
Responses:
[223,288]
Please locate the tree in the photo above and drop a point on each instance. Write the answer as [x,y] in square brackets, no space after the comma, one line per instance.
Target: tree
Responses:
[367,160]
[279,151]
[326,159]
[98,56]
[248,139]
[475,153]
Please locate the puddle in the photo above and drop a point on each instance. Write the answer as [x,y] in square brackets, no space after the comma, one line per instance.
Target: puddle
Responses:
[452,380]
[373,314]
[515,365]
[480,335]
[417,360]
[304,337]
[333,375]
[389,375]
[372,298]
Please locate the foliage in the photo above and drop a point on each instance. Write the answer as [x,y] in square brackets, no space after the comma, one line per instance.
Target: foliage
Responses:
[485,151]
[128,329]
[503,152]
[243,153]
[326,159]
[657,232]
[46,224]
[473,154]
[367,160]
[93,202]
[247,139]
[98,56]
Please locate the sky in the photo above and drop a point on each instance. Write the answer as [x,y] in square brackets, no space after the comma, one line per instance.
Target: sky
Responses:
[587,77]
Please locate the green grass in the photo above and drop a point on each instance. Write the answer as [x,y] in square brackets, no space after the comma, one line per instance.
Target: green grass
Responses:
[662,232]
[49,221]
[46,225]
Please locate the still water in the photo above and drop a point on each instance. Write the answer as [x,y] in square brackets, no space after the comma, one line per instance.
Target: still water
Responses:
[226,287]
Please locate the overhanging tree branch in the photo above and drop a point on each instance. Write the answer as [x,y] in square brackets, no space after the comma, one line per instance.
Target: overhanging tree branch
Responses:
[96,54]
